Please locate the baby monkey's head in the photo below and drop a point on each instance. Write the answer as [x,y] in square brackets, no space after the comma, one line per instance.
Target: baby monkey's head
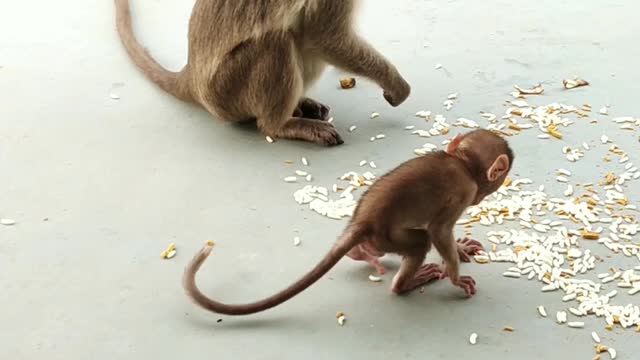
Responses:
[487,156]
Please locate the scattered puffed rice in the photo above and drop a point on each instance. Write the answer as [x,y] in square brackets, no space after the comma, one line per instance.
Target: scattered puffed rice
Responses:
[595,337]
[520,103]
[7,222]
[569,190]
[169,252]
[317,199]
[604,111]
[570,84]
[290,179]
[269,139]
[473,339]
[296,241]
[542,311]
[448,104]
[375,115]
[375,278]
[561,317]
[536,90]
[348,83]
[352,128]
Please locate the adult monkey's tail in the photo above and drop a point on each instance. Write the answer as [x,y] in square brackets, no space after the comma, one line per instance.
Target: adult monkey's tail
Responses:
[175,83]
[348,240]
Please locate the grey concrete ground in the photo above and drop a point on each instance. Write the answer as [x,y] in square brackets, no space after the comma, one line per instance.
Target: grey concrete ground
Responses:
[119,180]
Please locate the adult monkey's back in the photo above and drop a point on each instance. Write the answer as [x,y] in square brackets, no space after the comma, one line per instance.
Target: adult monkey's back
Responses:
[254,59]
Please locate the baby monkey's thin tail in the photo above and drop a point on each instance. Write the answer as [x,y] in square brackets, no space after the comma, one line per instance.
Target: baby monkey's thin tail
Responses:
[347,241]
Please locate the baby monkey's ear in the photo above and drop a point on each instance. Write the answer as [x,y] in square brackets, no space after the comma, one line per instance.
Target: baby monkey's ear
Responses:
[453,145]
[499,167]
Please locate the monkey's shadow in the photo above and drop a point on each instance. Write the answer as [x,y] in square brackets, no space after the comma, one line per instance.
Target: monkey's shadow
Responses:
[361,270]
[444,292]
[249,126]
[255,322]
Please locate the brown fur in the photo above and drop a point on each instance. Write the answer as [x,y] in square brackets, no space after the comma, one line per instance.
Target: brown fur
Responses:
[254,60]
[404,212]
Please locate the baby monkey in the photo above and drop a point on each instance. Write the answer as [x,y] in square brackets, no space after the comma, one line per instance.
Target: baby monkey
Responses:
[253,60]
[404,212]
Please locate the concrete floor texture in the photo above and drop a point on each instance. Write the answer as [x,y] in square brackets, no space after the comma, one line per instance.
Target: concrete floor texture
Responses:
[99,187]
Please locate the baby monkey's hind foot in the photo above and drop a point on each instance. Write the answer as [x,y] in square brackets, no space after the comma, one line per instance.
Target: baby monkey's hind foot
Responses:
[468,247]
[424,275]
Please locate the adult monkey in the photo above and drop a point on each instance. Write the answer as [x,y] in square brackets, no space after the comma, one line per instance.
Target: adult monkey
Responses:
[254,60]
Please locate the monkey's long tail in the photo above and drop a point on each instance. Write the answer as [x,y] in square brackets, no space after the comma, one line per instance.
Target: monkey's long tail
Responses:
[172,82]
[343,245]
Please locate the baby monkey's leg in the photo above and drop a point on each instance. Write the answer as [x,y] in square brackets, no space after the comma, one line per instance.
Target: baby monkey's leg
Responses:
[468,247]
[415,244]
[413,274]
[366,252]
[446,245]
